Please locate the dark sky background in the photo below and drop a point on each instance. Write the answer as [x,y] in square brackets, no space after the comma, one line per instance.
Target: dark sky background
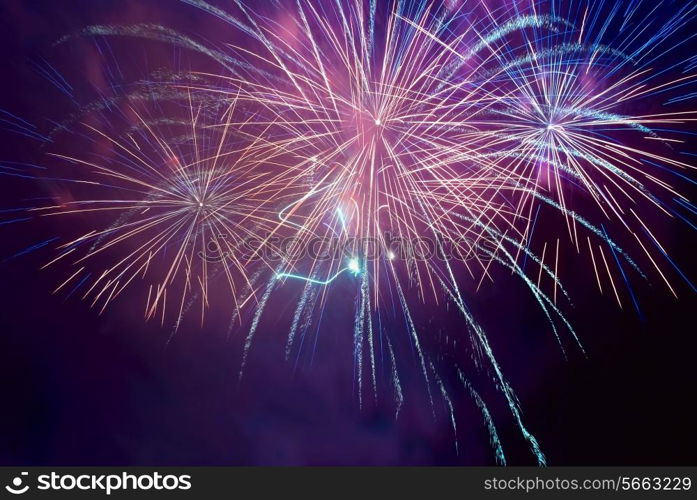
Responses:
[79,388]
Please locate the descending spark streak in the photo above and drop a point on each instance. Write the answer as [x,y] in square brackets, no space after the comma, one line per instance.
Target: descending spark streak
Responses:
[305,301]
[396,384]
[449,403]
[505,387]
[493,434]
[358,336]
[255,323]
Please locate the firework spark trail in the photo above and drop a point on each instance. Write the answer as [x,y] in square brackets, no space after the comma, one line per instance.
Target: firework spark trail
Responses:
[505,387]
[449,404]
[358,335]
[352,267]
[500,237]
[163,34]
[371,342]
[306,300]
[493,434]
[518,24]
[255,323]
[248,293]
[396,384]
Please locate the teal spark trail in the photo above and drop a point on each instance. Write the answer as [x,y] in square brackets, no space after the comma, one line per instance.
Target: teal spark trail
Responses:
[353,266]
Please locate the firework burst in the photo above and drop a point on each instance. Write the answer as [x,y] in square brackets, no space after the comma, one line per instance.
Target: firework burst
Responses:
[386,127]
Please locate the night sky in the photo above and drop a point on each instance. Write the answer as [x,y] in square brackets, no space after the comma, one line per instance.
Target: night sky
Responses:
[81,388]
